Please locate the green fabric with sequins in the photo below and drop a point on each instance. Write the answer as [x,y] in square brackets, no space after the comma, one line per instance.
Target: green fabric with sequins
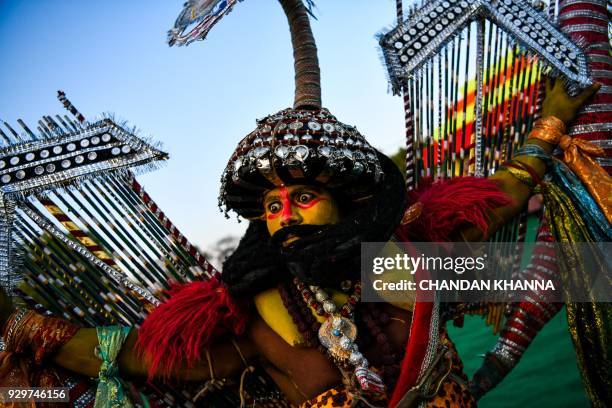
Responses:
[110,392]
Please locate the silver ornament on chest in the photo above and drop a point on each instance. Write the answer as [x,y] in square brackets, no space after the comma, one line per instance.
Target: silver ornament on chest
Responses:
[337,334]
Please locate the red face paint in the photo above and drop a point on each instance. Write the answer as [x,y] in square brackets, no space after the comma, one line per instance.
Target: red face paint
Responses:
[285,213]
[309,204]
[285,200]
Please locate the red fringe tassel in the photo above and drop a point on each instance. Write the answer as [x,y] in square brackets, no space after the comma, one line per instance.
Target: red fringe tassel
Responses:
[450,204]
[177,332]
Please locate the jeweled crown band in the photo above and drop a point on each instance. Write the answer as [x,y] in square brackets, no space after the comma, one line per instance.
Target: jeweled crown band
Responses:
[303,146]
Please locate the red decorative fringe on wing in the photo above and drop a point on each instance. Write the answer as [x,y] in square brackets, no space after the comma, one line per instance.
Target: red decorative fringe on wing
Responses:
[450,204]
[179,329]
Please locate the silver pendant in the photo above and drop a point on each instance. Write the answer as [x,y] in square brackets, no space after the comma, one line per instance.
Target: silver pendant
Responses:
[338,335]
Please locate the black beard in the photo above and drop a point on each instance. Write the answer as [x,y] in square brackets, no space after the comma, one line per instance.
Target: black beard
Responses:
[327,258]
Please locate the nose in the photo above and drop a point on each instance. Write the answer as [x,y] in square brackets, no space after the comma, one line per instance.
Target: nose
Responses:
[290,217]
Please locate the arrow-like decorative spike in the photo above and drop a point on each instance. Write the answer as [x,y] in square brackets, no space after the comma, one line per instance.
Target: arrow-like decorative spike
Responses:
[48,133]
[5,139]
[72,123]
[414,42]
[61,95]
[65,127]
[15,134]
[27,129]
[51,124]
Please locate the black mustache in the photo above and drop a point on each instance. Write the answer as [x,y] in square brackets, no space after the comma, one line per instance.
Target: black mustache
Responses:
[299,231]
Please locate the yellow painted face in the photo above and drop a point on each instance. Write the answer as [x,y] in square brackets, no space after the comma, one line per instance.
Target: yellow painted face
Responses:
[298,205]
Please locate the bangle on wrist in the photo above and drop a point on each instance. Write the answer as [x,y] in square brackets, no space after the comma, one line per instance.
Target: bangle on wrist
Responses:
[533,150]
[27,330]
[523,173]
[13,329]
[548,129]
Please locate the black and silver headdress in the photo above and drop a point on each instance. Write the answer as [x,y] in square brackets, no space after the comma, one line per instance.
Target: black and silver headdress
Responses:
[298,146]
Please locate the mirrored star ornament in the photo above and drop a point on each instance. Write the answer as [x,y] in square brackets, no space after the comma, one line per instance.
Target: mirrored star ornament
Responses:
[410,45]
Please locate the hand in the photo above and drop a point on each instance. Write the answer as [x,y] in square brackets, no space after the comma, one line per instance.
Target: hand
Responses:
[488,376]
[559,104]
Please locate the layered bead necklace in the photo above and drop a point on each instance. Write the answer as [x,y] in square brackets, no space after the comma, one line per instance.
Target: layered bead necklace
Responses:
[338,334]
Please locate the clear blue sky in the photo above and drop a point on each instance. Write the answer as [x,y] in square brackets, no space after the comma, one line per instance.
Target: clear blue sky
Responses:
[111,56]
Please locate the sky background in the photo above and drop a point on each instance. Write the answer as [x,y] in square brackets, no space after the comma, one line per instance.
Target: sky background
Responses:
[200,100]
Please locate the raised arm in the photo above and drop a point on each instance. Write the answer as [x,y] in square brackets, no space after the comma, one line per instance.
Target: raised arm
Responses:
[558,104]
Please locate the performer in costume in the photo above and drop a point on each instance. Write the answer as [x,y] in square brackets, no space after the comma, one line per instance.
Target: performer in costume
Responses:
[313,190]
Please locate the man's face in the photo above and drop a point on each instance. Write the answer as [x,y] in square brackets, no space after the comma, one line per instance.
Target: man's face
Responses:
[298,205]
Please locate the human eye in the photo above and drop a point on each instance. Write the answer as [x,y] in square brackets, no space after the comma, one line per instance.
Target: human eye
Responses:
[274,207]
[304,197]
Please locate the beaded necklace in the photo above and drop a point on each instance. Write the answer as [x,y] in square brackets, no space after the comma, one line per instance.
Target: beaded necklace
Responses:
[373,319]
[338,334]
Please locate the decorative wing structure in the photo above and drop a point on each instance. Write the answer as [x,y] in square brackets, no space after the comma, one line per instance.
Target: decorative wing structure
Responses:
[470,72]
[471,76]
[81,238]
[60,157]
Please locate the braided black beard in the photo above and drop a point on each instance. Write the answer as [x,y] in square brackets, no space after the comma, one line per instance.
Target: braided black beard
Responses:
[324,255]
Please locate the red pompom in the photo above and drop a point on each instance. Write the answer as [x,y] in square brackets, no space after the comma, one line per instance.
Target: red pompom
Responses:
[177,331]
[450,204]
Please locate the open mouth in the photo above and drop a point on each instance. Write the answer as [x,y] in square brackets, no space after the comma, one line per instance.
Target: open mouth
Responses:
[290,239]
[288,235]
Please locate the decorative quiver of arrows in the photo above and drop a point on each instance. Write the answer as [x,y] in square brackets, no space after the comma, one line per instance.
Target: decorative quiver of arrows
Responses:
[80,237]
[471,75]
